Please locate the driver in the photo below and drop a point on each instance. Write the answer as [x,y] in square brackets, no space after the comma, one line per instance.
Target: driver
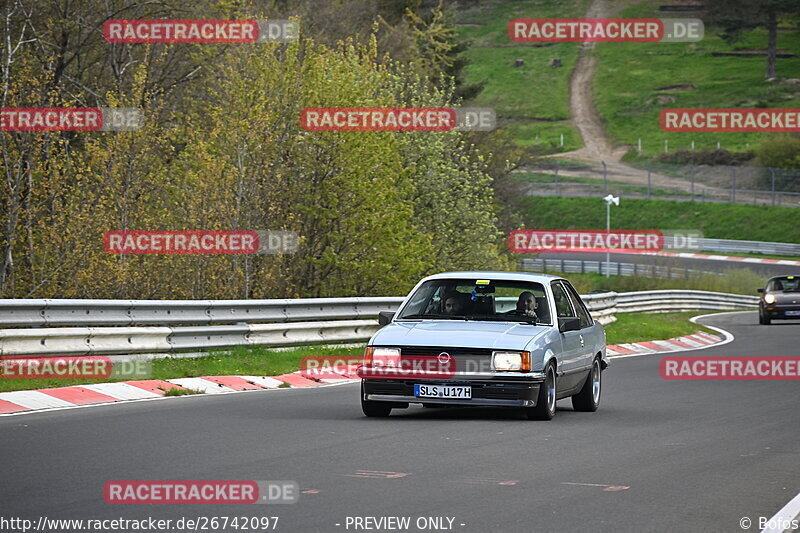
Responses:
[451,304]
[526,304]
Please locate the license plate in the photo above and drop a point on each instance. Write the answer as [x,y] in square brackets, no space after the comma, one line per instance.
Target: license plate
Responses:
[450,392]
[792,313]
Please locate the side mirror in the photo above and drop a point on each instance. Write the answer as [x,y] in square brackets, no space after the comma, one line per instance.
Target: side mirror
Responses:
[569,324]
[385,317]
[760,290]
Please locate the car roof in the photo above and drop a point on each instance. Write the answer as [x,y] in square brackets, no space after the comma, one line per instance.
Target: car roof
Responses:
[496,275]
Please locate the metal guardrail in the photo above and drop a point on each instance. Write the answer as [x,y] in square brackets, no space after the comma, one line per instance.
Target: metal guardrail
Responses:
[667,301]
[745,247]
[42,312]
[283,331]
[581,266]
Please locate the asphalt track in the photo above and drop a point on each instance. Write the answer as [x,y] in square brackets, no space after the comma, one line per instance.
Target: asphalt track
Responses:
[706,265]
[676,455]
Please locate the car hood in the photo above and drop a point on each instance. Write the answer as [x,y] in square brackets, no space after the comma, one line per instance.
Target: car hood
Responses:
[457,333]
[786,297]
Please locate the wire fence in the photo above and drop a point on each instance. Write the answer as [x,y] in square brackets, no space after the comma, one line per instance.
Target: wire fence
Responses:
[699,183]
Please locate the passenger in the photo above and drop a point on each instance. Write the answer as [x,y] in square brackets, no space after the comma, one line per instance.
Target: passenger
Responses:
[526,304]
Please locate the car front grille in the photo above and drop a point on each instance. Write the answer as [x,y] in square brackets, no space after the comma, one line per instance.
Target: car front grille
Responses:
[434,351]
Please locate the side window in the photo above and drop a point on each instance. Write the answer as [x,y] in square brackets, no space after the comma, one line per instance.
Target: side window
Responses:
[563,305]
[577,303]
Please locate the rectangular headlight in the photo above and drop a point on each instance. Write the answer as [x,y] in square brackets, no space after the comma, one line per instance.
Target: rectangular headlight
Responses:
[385,356]
[511,361]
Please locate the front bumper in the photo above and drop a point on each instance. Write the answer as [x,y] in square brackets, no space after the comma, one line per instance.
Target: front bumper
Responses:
[516,393]
[779,311]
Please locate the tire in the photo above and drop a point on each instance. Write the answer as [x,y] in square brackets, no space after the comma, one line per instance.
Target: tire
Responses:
[588,399]
[546,400]
[763,319]
[374,409]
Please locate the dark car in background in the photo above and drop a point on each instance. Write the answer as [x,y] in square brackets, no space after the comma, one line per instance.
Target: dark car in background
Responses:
[780,299]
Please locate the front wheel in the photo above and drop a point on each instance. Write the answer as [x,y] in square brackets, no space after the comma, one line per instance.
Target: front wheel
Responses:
[764,319]
[546,400]
[588,399]
[374,409]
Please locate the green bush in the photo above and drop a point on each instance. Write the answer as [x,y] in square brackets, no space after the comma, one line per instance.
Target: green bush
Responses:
[780,150]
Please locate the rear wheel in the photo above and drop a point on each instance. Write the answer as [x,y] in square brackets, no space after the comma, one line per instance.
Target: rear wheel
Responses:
[546,400]
[588,399]
[763,318]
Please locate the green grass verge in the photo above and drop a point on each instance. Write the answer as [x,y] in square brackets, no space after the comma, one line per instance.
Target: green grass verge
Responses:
[637,327]
[734,281]
[248,361]
[532,101]
[629,74]
[716,221]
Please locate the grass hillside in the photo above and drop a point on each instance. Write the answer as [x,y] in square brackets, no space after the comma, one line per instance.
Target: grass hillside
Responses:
[531,101]
[716,221]
[629,75]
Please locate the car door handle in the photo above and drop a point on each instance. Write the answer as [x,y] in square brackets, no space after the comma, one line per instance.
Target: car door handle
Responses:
[581,338]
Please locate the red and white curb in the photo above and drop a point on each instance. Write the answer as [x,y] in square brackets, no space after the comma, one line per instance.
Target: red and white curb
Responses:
[678,344]
[26,401]
[731,258]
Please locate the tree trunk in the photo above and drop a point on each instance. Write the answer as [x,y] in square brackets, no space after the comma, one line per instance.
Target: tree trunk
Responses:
[772,46]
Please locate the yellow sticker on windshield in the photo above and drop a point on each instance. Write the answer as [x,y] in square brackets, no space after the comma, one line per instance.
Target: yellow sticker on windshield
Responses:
[482,282]
[789,277]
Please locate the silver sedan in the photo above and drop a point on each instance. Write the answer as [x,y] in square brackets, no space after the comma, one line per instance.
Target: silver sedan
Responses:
[503,339]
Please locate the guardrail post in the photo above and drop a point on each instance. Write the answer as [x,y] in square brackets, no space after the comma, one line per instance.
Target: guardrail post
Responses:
[583,267]
[733,185]
[691,173]
[619,273]
[649,171]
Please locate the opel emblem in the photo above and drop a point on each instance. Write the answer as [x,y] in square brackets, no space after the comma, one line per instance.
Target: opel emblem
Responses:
[443,357]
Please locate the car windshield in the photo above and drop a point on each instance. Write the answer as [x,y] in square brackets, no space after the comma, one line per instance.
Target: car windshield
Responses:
[479,299]
[785,284]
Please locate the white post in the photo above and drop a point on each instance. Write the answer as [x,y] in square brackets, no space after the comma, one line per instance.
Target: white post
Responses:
[562,139]
[692,145]
[639,143]
[608,232]
[666,145]
[609,199]
[717,145]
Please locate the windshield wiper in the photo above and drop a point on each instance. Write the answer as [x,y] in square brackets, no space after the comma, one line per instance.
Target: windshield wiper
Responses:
[448,317]
[504,318]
